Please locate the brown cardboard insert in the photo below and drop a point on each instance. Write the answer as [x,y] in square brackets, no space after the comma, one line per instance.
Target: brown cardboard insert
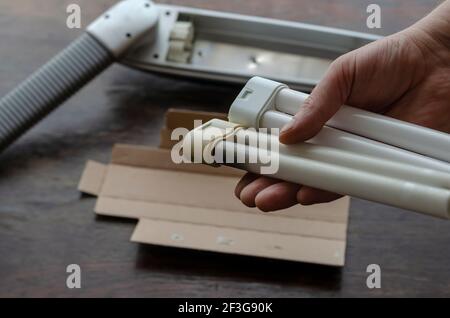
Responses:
[193,206]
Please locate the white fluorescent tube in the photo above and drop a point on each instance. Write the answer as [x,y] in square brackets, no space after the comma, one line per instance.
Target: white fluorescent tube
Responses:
[335,138]
[389,182]
[370,186]
[353,160]
[388,130]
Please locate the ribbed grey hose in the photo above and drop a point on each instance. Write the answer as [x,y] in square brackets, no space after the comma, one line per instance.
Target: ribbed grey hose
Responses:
[50,86]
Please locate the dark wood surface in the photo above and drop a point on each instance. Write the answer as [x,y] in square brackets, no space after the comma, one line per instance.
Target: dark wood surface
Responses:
[45,224]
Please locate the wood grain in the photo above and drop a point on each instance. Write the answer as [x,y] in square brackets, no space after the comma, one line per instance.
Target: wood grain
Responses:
[45,224]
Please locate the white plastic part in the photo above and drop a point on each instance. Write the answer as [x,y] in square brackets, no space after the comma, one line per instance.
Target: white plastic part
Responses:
[183,31]
[398,184]
[124,24]
[180,42]
[388,130]
[232,48]
[257,97]
[199,143]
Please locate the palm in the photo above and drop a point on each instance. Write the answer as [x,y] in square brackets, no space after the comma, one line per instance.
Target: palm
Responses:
[426,104]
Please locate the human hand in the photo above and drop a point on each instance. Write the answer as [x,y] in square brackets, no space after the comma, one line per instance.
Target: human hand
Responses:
[405,76]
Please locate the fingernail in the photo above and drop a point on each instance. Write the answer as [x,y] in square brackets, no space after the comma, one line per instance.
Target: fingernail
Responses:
[287,127]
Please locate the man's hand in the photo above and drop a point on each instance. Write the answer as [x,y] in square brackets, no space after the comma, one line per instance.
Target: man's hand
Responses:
[405,76]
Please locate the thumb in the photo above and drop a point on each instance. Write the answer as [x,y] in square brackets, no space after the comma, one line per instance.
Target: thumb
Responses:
[325,100]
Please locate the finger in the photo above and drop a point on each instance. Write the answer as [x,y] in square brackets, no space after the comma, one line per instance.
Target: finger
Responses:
[309,196]
[325,100]
[249,193]
[245,180]
[278,196]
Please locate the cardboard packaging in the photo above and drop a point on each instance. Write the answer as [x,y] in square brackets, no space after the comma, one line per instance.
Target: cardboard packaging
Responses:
[193,205]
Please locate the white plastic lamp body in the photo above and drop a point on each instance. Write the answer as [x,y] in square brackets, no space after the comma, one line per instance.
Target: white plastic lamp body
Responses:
[125,24]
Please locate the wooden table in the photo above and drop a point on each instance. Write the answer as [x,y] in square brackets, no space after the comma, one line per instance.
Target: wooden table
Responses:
[45,224]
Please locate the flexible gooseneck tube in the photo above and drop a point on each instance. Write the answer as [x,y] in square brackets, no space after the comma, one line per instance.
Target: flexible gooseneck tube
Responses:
[50,86]
[106,39]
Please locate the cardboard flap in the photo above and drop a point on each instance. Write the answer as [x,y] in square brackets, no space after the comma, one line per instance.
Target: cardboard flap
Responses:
[165,140]
[154,158]
[257,221]
[238,241]
[92,178]
[183,118]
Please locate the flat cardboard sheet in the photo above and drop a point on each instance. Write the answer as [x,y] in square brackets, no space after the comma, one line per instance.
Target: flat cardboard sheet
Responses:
[91,181]
[238,241]
[193,206]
